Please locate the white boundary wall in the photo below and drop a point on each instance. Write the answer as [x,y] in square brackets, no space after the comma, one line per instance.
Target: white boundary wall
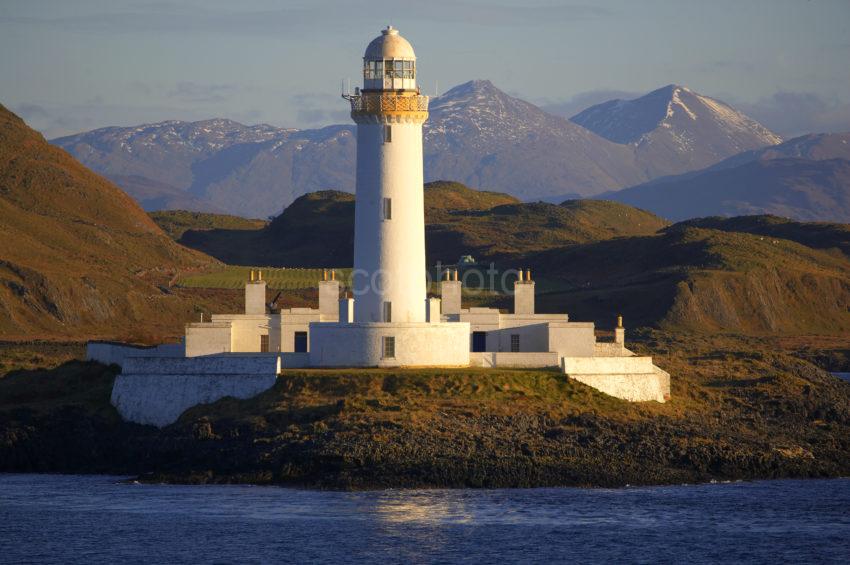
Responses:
[156,390]
[110,353]
[510,359]
[634,387]
[159,400]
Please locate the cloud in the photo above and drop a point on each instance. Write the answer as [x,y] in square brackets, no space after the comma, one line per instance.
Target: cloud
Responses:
[796,113]
[31,112]
[57,121]
[202,93]
[319,109]
[255,18]
[583,100]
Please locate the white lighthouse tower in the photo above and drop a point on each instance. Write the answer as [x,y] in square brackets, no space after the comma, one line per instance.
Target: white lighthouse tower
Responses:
[389,279]
[394,322]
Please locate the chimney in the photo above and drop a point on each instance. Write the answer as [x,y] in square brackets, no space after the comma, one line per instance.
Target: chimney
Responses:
[524,294]
[450,290]
[620,332]
[255,296]
[329,298]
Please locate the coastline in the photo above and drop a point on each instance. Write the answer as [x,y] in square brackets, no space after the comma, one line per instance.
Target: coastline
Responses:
[738,412]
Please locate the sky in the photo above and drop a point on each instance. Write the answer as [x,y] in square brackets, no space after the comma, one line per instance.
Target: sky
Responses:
[70,66]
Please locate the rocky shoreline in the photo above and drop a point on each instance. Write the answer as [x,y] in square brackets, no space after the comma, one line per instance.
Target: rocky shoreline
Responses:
[781,418]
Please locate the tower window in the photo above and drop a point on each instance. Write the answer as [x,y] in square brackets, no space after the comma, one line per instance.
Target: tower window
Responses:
[388,311]
[389,347]
[388,134]
[388,208]
[264,344]
[514,343]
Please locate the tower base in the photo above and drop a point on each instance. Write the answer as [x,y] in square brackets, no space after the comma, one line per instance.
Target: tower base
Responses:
[412,345]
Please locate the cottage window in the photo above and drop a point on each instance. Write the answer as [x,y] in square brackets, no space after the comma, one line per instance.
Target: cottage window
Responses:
[389,347]
[300,345]
[514,343]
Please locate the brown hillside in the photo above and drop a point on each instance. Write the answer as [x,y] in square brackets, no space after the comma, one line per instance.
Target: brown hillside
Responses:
[79,257]
[318,228]
[704,280]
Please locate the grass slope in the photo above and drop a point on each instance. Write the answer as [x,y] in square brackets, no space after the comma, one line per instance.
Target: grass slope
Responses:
[177,222]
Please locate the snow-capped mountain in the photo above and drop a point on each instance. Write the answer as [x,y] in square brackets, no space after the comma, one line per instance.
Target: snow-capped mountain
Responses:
[674,129]
[220,164]
[476,134]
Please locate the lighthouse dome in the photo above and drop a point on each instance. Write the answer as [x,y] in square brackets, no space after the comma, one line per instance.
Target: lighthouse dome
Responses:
[389,45]
[389,63]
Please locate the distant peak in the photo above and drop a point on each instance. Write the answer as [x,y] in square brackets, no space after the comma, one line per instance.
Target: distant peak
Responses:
[472,86]
[667,91]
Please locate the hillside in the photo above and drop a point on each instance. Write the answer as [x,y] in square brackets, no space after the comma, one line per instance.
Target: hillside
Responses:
[674,129]
[802,189]
[176,222]
[81,258]
[703,280]
[317,229]
[817,235]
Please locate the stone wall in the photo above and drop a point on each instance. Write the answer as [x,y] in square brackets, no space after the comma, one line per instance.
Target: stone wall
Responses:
[632,378]
[231,364]
[610,365]
[634,387]
[159,400]
[509,359]
[156,390]
[110,353]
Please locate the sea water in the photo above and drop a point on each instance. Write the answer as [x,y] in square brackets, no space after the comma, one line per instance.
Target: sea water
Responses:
[101,519]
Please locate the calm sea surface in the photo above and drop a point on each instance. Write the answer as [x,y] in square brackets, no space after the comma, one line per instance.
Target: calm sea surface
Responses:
[99,519]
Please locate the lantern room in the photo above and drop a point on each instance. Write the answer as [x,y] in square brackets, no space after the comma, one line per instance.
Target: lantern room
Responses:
[389,63]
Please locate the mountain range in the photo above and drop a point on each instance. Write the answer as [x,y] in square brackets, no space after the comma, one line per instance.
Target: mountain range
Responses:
[805,178]
[476,134]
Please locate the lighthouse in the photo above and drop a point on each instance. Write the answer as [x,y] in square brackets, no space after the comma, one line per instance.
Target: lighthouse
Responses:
[390,321]
[394,322]
[389,277]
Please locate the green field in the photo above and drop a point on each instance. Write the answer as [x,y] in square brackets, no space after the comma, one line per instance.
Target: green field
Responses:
[291,278]
[277,278]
